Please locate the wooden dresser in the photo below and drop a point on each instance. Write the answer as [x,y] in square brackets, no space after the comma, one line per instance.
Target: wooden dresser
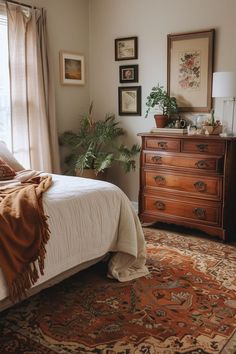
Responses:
[189,180]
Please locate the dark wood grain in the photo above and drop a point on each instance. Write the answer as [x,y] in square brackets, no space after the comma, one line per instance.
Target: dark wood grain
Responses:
[190,181]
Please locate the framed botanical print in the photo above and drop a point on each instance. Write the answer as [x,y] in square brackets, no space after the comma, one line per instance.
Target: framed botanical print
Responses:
[129,100]
[189,70]
[72,68]
[128,73]
[126,48]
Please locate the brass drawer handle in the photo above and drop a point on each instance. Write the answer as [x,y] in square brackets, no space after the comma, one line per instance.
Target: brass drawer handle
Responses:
[201,164]
[160,180]
[200,213]
[160,205]
[157,159]
[202,147]
[162,145]
[200,186]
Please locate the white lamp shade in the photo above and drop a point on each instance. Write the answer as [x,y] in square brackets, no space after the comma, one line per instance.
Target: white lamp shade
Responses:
[224,84]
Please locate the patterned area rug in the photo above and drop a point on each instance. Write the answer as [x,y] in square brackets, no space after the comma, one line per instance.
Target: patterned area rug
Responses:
[187,304]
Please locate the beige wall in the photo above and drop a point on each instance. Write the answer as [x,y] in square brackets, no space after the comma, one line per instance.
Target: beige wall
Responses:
[151,21]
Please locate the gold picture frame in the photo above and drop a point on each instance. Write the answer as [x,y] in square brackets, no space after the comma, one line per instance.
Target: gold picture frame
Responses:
[190,68]
[72,71]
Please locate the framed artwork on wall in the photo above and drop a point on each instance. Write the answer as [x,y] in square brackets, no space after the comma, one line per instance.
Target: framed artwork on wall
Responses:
[126,48]
[189,70]
[72,70]
[128,73]
[129,100]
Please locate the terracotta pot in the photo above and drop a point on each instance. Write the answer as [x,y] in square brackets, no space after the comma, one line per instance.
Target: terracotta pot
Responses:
[90,173]
[161,120]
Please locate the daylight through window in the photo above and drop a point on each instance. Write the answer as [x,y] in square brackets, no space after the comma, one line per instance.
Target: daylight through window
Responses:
[5,114]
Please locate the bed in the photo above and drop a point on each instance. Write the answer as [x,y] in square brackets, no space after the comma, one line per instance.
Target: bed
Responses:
[88,220]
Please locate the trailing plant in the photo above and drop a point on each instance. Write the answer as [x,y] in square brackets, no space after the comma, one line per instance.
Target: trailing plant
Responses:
[160,98]
[95,146]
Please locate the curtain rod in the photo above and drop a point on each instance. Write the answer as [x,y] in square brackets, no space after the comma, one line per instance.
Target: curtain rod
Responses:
[22,4]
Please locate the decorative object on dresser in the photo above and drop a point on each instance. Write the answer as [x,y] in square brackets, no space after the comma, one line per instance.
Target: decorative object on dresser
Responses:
[189,69]
[212,126]
[165,104]
[224,86]
[169,130]
[190,181]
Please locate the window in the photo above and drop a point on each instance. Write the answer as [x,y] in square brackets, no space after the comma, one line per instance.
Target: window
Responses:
[5,114]
[26,105]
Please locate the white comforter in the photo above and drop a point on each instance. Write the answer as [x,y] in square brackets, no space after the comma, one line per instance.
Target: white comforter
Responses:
[87,219]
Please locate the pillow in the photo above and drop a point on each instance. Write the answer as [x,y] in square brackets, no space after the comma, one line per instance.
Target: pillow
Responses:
[6,172]
[7,156]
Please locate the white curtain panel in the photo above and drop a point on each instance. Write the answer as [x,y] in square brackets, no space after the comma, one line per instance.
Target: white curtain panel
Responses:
[34,130]
[5,113]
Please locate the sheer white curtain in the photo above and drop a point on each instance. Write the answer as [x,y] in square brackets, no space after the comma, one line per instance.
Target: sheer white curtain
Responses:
[5,114]
[34,130]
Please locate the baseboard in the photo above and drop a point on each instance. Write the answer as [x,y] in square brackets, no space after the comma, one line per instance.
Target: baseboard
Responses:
[135,206]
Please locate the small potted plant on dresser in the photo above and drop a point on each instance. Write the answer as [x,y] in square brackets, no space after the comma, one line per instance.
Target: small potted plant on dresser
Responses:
[212,126]
[165,104]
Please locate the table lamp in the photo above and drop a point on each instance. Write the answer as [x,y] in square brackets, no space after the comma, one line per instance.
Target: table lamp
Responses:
[224,86]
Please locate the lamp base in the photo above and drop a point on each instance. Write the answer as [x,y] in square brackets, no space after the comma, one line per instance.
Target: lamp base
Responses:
[226,134]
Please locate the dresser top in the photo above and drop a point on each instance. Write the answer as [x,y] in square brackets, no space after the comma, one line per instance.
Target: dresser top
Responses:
[186,136]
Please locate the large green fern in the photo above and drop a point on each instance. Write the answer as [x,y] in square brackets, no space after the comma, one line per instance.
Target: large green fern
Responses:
[96,146]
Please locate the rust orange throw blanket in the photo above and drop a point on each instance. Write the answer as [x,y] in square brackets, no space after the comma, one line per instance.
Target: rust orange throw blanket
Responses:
[23,234]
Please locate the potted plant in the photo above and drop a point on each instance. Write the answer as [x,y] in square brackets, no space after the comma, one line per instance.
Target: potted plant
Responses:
[166,104]
[95,147]
[212,126]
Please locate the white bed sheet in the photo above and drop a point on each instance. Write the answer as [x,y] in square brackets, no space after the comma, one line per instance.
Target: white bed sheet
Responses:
[87,219]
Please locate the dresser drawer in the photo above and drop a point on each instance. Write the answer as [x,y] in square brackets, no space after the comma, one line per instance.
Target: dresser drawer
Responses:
[195,210]
[203,146]
[196,162]
[162,144]
[203,186]
[189,180]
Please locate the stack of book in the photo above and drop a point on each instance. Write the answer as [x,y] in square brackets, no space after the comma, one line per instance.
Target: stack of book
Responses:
[169,130]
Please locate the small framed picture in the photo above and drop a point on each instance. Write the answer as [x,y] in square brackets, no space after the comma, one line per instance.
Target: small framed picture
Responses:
[128,73]
[72,68]
[126,48]
[129,100]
